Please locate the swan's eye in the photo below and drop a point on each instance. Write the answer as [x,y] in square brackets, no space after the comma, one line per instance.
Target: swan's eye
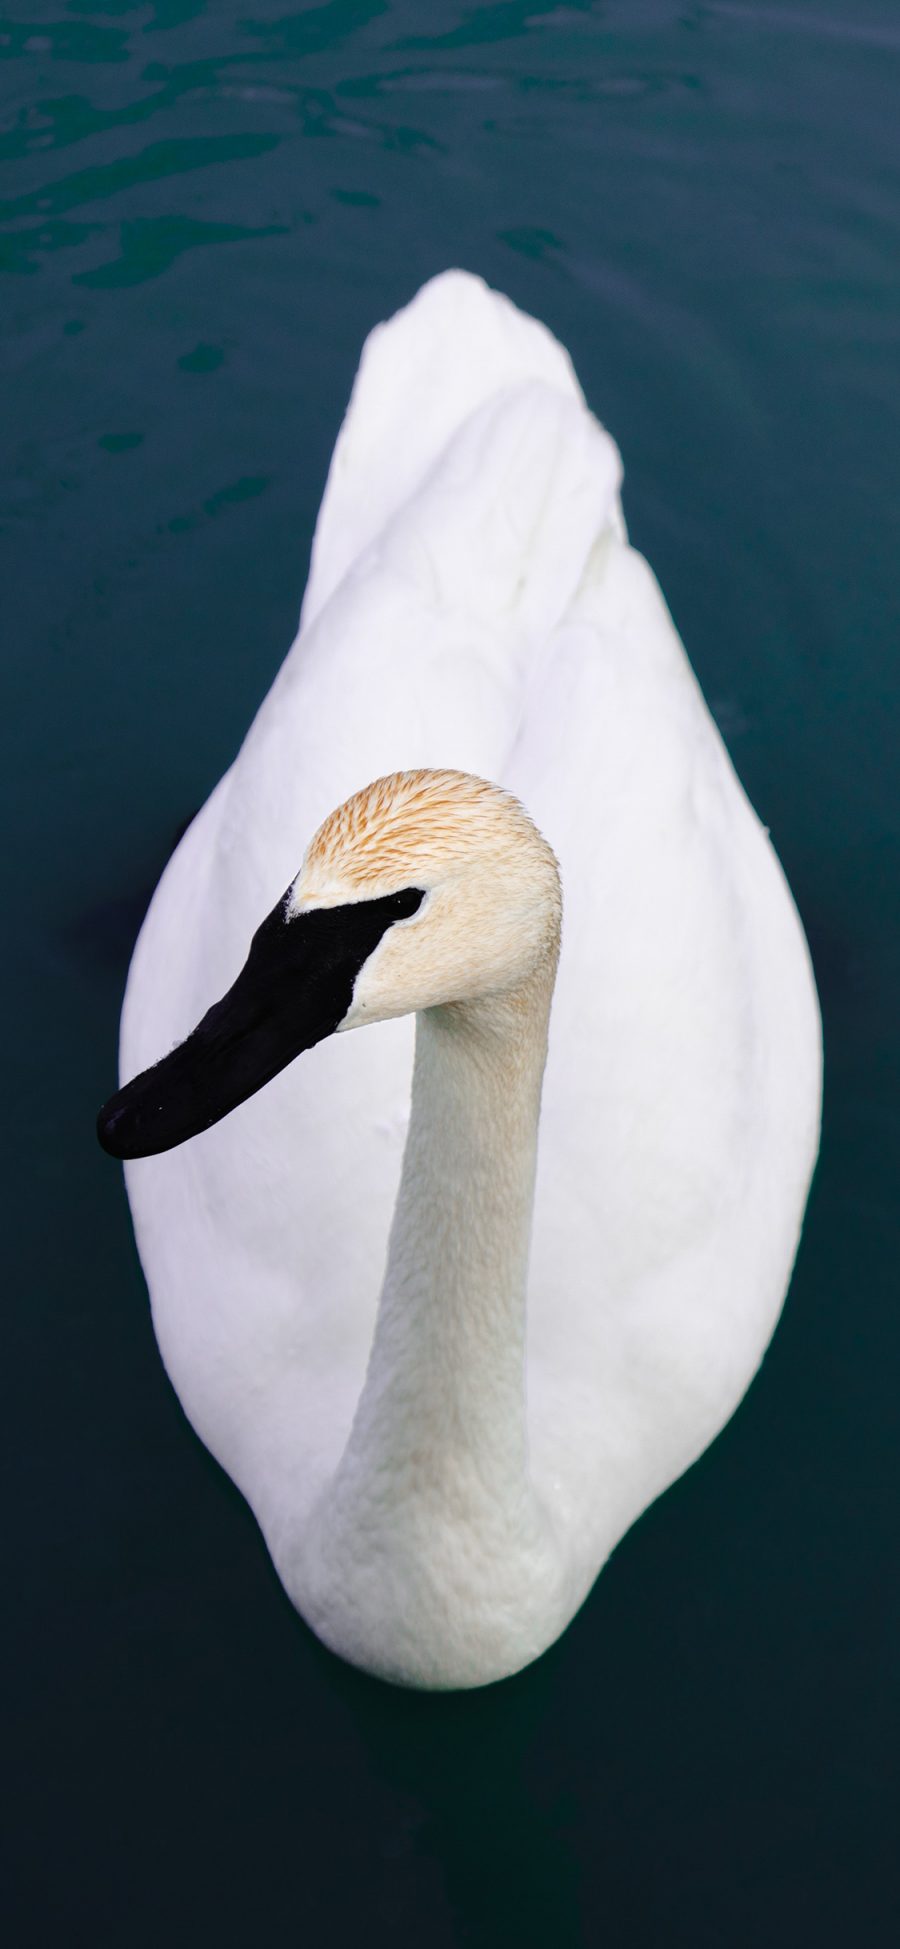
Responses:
[405,903]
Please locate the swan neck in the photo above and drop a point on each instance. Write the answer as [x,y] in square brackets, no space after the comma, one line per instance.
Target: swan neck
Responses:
[443,1406]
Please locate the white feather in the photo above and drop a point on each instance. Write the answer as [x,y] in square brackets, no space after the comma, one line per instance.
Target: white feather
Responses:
[473,603]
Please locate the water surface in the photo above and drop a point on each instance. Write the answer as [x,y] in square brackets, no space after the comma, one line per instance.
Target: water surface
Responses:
[204,209]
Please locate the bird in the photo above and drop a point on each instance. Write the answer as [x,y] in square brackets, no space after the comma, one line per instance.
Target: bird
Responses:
[454,1300]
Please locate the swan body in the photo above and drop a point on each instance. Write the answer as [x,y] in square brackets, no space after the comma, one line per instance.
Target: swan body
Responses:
[444,1422]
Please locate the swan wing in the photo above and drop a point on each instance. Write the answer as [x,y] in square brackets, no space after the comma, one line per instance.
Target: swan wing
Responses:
[681,1100]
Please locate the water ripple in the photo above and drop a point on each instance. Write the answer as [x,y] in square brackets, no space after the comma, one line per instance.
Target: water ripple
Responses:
[508,20]
[152,164]
[21,250]
[149,245]
[316,29]
[64,40]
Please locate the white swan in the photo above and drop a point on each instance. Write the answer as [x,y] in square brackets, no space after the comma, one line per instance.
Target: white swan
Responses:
[438,1490]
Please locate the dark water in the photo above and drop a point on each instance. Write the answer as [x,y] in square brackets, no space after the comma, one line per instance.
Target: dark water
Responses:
[205,208]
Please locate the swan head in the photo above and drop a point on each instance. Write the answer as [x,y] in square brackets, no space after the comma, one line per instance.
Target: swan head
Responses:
[426,888]
[489,905]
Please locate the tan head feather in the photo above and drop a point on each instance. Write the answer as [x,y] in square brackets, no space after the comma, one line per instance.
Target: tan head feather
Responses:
[413,821]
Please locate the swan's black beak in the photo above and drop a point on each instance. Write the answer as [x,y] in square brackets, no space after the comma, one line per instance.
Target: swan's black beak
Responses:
[294,989]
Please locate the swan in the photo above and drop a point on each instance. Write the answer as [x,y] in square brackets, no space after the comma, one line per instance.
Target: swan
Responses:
[489,740]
